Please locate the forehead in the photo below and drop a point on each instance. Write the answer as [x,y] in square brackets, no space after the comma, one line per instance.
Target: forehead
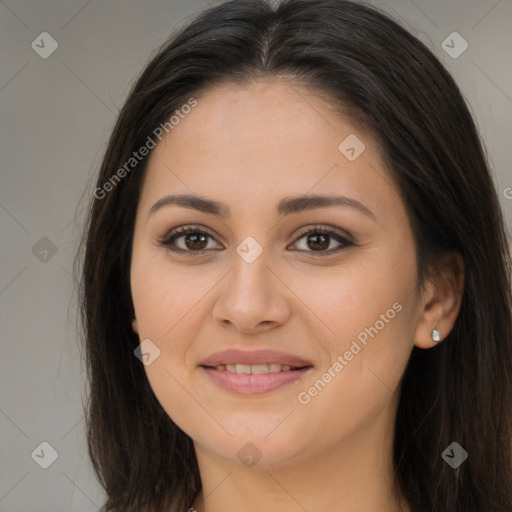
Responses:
[261,138]
[261,112]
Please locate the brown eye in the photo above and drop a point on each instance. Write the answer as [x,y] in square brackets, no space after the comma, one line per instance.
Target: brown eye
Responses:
[187,240]
[318,239]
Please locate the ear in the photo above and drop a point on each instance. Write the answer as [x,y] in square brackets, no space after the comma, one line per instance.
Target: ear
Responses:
[134,326]
[441,300]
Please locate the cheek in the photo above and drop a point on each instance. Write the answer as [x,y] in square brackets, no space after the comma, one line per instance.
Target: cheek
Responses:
[160,296]
[356,302]
[360,381]
[169,384]
[166,305]
[367,317]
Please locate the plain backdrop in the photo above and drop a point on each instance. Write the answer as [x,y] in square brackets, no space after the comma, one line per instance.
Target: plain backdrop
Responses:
[56,114]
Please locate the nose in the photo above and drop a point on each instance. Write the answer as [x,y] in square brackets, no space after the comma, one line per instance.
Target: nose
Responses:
[252,299]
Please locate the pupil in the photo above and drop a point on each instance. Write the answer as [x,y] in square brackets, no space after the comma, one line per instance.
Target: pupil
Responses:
[322,240]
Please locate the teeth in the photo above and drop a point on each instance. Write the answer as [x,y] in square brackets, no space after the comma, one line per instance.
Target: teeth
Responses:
[258,369]
[243,368]
[255,369]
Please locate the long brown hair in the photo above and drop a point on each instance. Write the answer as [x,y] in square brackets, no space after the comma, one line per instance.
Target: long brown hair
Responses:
[357,57]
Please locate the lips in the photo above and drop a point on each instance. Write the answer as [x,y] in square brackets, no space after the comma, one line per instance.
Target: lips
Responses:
[255,372]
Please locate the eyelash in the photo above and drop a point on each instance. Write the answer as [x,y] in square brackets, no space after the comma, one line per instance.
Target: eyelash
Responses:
[177,233]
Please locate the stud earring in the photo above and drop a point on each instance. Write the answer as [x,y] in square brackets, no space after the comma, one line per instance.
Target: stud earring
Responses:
[436,336]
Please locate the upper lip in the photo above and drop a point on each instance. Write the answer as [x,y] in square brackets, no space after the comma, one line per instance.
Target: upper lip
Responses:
[264,356]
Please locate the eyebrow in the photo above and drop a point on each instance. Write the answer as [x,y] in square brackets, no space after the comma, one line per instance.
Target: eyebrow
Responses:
[286,206]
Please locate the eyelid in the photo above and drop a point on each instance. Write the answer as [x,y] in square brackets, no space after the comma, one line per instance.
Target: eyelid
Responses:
[343,238]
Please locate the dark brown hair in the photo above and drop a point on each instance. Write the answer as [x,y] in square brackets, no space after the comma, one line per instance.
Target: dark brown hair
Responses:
[355,56]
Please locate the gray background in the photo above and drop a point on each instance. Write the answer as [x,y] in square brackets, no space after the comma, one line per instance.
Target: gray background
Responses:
[56,114]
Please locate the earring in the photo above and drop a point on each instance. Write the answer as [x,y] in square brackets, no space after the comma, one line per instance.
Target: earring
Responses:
[436,336]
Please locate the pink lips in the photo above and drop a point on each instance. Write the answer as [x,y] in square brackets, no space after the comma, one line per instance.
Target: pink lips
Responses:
[253,384]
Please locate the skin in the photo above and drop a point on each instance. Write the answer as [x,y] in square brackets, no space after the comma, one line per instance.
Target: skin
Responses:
[249,146]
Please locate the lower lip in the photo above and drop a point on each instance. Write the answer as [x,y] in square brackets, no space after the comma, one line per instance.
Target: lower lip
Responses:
[249,384]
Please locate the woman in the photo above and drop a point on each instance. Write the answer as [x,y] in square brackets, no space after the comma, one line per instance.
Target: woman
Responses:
[296,284]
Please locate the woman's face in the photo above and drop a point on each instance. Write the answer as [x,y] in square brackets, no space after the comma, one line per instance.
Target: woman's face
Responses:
[340,303]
